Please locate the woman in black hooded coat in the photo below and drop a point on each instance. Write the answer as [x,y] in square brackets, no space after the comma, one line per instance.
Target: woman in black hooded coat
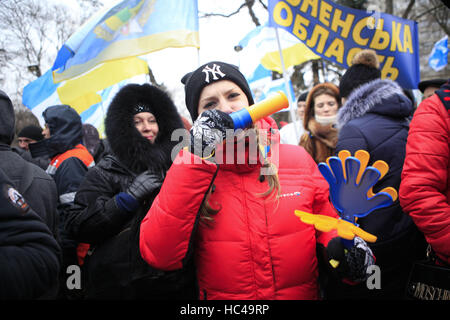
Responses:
[116,195]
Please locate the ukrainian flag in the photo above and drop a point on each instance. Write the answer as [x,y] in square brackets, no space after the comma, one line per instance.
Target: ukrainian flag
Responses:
[90,94]
[260,47]
[131,28]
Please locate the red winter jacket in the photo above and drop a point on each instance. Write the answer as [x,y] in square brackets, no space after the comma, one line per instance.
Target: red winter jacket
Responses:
[256,248]
[424,190]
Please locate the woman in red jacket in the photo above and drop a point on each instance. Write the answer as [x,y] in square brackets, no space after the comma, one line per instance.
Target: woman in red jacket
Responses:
[424,190]
[232,209]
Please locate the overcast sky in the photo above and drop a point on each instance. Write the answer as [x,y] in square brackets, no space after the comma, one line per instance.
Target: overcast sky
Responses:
[218,36]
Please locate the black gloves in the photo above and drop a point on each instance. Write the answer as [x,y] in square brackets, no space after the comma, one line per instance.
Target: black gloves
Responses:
[350,263]
[208,131]
[144,184]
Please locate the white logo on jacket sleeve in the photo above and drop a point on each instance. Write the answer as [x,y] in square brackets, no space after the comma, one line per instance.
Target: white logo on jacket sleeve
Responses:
[16,199]
[292,194]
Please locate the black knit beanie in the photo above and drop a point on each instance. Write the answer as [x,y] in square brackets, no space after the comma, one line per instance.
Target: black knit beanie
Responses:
[205,75]
[31,132]
[302,97]
[365,68]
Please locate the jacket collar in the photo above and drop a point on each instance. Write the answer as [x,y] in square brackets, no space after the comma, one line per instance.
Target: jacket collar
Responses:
[5,147]
[444,94]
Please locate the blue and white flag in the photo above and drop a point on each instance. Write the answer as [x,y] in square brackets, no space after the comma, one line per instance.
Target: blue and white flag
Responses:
[262,85]
[438,56]
[260,46]
[255,63]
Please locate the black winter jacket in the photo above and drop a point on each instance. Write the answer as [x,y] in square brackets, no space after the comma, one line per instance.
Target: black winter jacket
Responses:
[65,134]
[29,254]
[113,267]
[32,182]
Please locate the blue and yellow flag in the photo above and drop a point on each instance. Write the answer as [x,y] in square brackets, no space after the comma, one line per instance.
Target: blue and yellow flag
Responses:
[259,46]
[337,33]
[89,94]
[131,28]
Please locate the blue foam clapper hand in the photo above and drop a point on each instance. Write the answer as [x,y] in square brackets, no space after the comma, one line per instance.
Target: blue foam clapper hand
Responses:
[347,195]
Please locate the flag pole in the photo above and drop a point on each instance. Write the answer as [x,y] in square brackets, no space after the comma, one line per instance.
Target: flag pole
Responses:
[198,57]
[286,84]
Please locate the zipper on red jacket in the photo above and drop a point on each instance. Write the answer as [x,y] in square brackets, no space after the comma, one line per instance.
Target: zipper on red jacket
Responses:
[270,251]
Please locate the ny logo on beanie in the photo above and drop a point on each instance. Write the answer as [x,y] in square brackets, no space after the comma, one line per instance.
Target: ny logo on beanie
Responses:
[215,70]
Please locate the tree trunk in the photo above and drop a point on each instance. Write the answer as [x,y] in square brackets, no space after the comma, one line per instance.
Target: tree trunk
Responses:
[390,6]
[315,70]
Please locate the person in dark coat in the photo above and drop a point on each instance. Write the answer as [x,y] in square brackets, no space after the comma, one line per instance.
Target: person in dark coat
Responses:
[429,87]
[117,193]
[69,162]
[26,136]
[375,118]
[29,253]
[91,138]
[29,134]
[97,147]
[102,150]
[32,182]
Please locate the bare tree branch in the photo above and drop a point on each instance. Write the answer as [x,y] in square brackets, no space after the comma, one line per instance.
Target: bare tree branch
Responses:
[427,12]
[213,14]
[389,6]
[408,9]
[441,17]
[262,3]
[250,4]
[247,3]
[32,32]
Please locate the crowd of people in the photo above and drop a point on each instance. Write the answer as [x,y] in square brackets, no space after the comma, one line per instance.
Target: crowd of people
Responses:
[142,215]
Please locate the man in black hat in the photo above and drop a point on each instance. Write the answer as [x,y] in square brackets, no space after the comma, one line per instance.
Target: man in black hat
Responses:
[428,87]
[29,134]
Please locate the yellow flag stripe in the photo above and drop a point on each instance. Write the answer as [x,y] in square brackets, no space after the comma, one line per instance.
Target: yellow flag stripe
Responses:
[81,93]
[133,48]
[292,56]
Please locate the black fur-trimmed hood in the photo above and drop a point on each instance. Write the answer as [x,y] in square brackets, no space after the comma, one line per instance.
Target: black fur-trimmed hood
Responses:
[127,144]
